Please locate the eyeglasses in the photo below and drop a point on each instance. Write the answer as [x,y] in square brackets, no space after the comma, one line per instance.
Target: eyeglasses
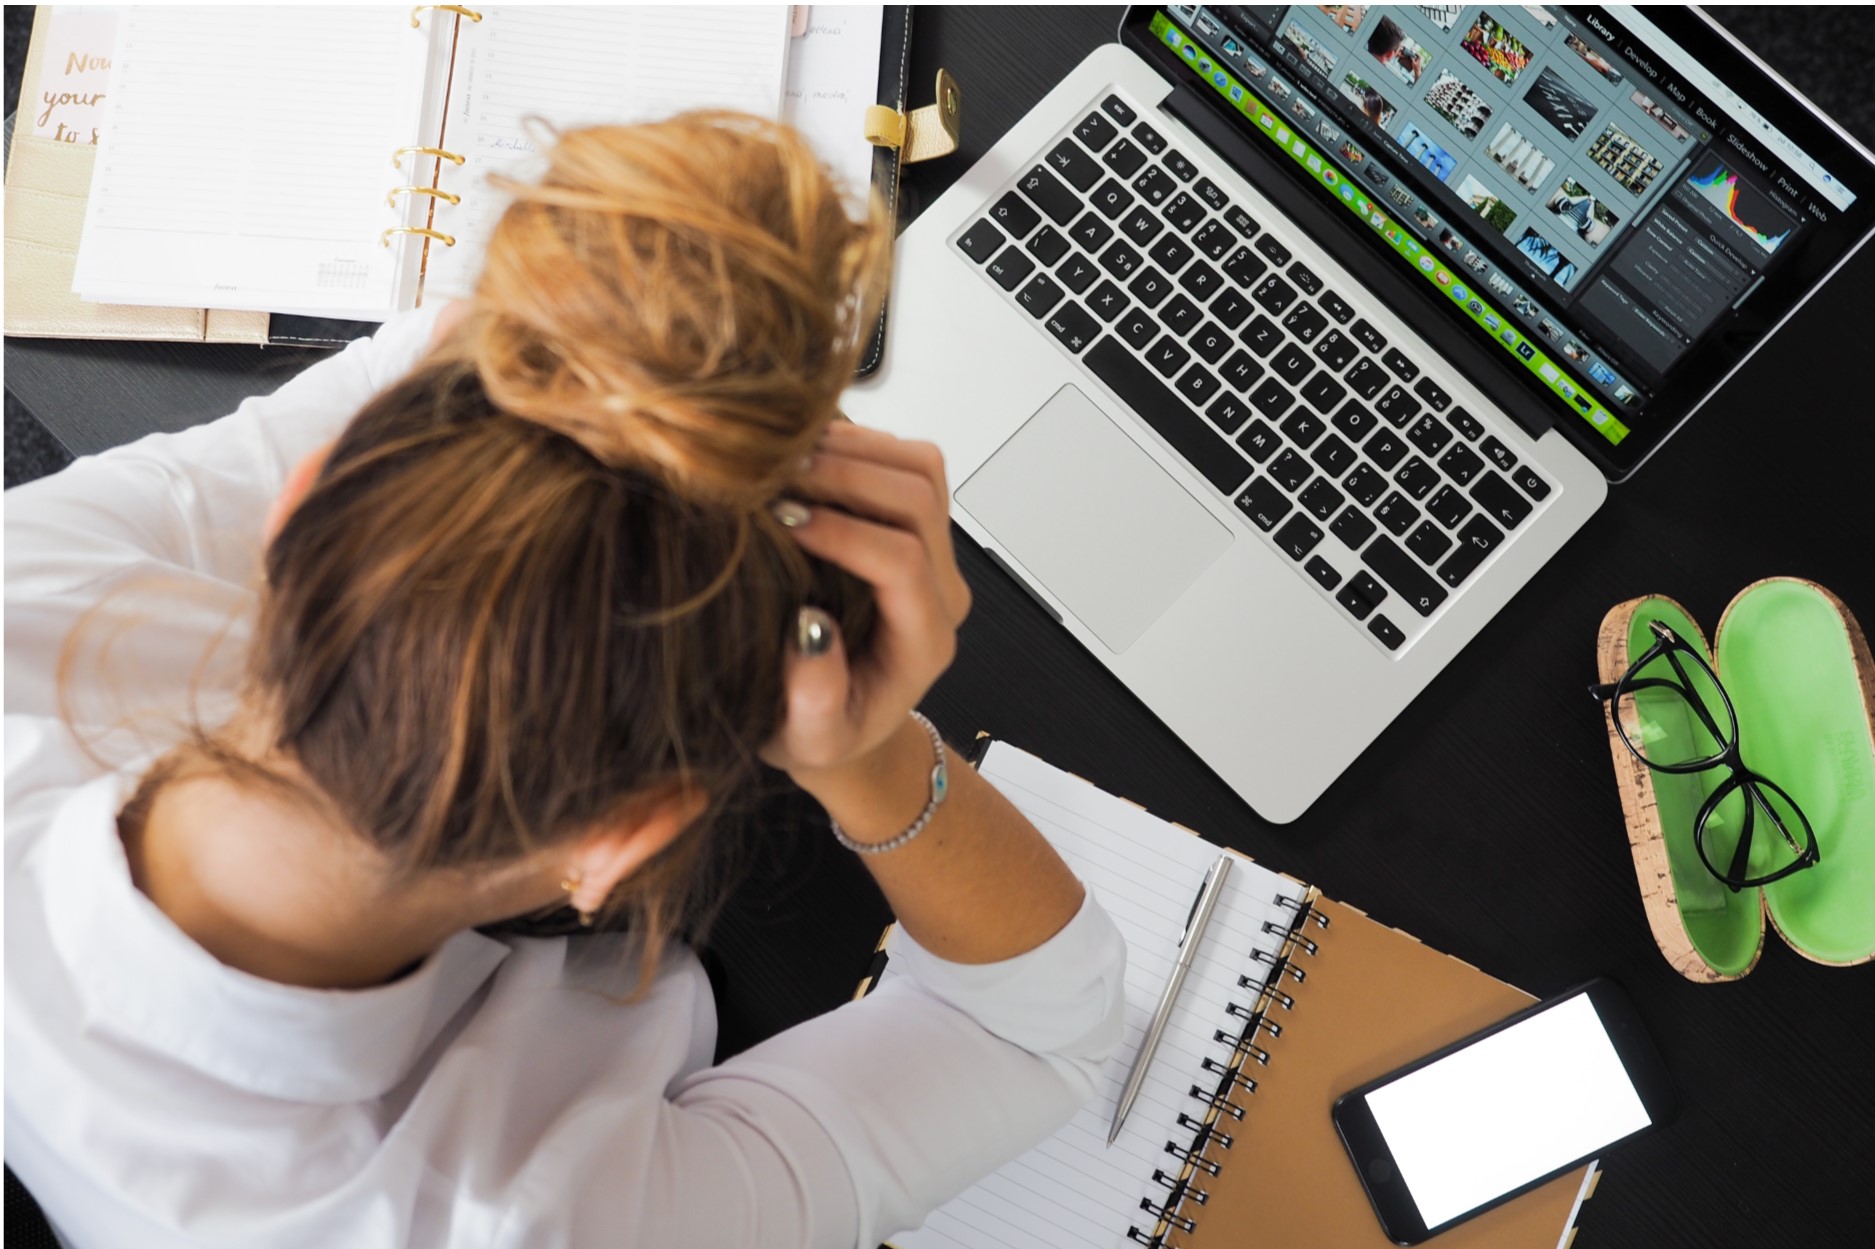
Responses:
[1686,723]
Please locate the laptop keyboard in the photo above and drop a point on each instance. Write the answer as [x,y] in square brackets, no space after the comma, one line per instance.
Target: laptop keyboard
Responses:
[1339,449]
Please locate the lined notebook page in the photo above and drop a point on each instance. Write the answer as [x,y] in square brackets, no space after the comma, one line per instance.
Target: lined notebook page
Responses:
[1073,1191]
[583,66]
[246,158]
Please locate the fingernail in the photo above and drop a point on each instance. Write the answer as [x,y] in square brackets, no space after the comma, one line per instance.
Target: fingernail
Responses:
[813,632]
[791,514]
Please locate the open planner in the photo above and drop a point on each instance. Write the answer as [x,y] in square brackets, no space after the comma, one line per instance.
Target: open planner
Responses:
[1292,1000]
[333,161]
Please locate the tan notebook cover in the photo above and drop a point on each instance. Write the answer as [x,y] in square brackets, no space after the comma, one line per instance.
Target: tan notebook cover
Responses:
[1373,999]
[46,185]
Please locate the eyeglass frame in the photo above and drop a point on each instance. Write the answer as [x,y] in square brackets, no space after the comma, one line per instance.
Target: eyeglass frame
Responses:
[1667,643]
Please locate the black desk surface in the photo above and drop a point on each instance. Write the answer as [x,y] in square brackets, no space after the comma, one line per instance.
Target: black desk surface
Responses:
[1484,820]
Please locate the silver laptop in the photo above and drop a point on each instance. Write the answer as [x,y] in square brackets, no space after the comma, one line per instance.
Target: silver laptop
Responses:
[1277,347]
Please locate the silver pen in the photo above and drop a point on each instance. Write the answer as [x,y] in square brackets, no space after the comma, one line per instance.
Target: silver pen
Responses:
[1195,923]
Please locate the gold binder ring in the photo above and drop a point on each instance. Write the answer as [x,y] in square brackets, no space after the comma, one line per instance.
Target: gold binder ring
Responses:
[471,14]
[397,157]
[447,240]
[391,199]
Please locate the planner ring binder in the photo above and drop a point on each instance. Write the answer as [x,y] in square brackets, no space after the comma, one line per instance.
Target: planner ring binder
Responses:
[397,157]
[416,13]
[446,196]
[447,240]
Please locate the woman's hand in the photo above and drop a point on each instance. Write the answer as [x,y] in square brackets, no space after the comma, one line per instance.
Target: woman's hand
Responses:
[888,524]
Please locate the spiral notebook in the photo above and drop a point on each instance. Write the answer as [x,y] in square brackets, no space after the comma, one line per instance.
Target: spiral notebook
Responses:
[1292,1000]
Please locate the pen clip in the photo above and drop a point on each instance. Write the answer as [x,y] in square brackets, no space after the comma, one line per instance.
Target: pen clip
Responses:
[1197,899]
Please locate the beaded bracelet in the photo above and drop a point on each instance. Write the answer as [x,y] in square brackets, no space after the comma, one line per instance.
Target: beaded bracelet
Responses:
[940,786]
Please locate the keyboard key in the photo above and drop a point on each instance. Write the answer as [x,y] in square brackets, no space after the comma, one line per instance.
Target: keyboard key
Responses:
[1501,455]
[1197,385]
[1264,504]
[1141,226]
[1499,501]
[1396,513]
[1112,199]
[1274,294]
[1396,407]
[1298,537]
[1010,268]
[1461,464]
[1532,485]
[1336,307]
[1304,277]
[1041,294]
[1355,421]
[1290,470]
[1368,379]
[1476,540]
[1230,308]
[1417,477]
[1244,267]
[980,241]
[1124,158]
[1091,232]
[1433,394]
[1077,273]
[1271,399]
[1171,253]
[1202,281]
[1047,245]
[1303,429]
[1184,212]
[1071,325]
[1353,528]
[1321,500]
[1369,337]
[1262,336]
[1213,240]
[1210,342]
[1118,110]
[1180,315]
[1069,161]
[1334,456]
[1428,434]
[1095,131]
[1167,356]
[1402,368]
[1150,287]
[1273,249]
[1228,412]
[1335,349]
[1137,329]
[1181,168]
[1242,222]
[1188,433]
[1385,450]
[1108,301]
[1121,260]
[1324,392]
[1304,323]
[1292,364]
[1212,194]
[1323,572]
[1448,507]
[1466,424]
[1365,484]
[1149,138]
[1242,371]
[1362,595]
[1388,632]
[1050,195]
[1013,214]
[1428,542]
[1259,440]
[1397,569]
[1153,185]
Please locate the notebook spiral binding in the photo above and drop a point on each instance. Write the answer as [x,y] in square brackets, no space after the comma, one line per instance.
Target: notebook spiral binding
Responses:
[1265,995]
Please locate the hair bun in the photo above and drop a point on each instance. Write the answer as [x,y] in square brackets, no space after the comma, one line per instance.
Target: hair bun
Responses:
[687,297]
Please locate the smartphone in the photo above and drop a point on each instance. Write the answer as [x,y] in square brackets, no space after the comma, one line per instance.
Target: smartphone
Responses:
[1504,1111]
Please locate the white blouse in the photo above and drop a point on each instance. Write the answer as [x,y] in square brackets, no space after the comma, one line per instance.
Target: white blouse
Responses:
[499,1095]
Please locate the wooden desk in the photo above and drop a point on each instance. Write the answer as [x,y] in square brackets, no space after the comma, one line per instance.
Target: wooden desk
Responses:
[1484,820]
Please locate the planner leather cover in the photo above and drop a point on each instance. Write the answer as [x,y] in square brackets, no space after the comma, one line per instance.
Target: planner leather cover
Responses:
[894,70]
[1373,999]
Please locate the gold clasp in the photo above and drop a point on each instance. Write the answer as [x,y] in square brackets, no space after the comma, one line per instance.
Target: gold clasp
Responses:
[934,130]
[391,199]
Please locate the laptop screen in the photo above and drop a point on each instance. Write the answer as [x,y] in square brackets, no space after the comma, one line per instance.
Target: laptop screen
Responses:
[1583,192]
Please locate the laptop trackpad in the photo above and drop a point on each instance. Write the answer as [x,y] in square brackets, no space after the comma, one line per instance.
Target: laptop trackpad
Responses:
[1109,532]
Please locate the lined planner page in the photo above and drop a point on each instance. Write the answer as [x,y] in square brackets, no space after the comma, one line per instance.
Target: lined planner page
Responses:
[246,159]
[574,66]
[1073,1191]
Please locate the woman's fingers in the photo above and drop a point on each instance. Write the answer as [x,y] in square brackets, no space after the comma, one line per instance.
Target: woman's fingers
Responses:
[817,727]
[849,443]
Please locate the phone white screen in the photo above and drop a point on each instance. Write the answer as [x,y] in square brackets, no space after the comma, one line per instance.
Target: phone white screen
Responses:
[1496,1115]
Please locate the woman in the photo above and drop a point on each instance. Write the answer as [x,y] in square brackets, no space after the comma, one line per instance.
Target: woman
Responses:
[578,555]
